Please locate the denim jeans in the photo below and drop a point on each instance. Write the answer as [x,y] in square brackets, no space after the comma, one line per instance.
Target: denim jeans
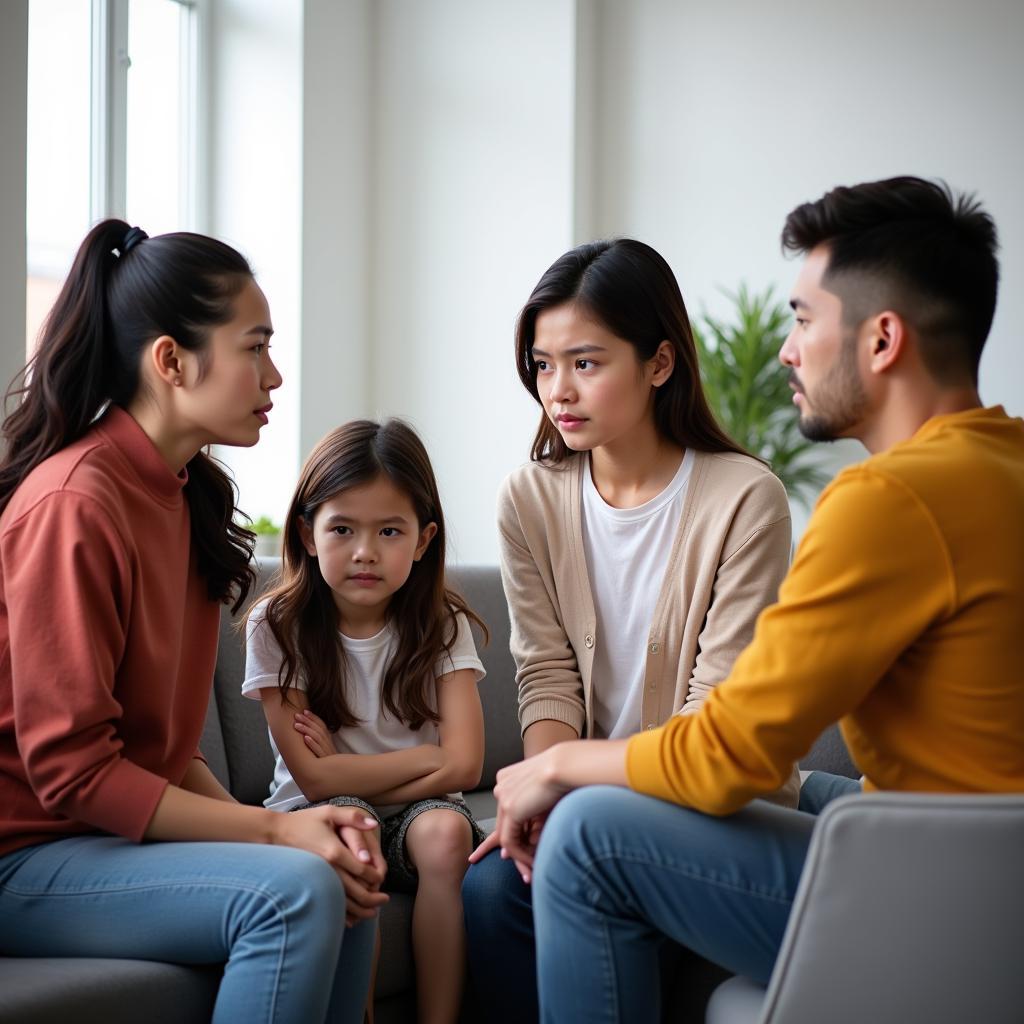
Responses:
[275,916]
[497,908]
[618,873]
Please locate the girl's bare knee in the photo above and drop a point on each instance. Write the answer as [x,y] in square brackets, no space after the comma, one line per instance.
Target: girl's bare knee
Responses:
[438,842]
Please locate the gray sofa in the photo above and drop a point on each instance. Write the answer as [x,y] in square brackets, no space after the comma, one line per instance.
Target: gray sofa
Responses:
[53,991]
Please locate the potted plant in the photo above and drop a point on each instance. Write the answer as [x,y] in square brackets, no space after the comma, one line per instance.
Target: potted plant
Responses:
[748,389]
[268,537]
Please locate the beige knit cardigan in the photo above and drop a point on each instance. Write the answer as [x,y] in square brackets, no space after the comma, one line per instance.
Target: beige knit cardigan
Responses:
[729,555]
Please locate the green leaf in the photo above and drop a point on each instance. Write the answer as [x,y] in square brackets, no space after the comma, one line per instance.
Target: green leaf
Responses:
[748,388]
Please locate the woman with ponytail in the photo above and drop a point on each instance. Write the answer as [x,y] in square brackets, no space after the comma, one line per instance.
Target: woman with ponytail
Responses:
[118,545]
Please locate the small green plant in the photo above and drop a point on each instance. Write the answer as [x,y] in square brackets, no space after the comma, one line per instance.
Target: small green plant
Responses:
[748,388]
[265,527]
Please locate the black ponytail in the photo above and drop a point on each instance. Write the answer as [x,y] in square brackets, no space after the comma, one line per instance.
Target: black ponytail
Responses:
[124,291]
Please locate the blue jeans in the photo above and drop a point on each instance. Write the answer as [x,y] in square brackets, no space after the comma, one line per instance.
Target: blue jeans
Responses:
[497,908]
[617,873]
[273,915]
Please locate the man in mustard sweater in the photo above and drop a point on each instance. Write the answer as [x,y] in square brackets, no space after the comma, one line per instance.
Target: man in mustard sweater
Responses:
[901,618]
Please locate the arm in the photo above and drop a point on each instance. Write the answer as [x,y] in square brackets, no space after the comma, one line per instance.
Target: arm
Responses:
[344,836]
[540,736]
[811,662]
[66,558]
[546,733]
[871,575]
[67,579]
[547,673]
[362,775]
[528,790]
[199,779]
[461,742]
[755,557]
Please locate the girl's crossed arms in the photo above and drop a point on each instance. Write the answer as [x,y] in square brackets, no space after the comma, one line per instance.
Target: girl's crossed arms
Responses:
[367,671]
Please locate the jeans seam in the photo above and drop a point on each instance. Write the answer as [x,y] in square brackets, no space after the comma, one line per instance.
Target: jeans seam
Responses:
[613,977]
[688,872]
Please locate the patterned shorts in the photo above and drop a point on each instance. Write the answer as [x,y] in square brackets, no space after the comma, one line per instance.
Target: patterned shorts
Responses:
[401,872]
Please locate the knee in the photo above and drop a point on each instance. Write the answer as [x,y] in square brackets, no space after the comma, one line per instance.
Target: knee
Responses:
[439,843]
[303,886]
[578,829]
[493,892]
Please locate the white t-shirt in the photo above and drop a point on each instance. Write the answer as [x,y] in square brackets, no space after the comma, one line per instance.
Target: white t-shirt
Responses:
[627,553]
[367,660]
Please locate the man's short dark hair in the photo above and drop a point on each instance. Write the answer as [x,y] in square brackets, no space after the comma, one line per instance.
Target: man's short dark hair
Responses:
[915,247]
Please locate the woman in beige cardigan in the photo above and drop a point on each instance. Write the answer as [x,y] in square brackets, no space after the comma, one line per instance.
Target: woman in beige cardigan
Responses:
[637,548]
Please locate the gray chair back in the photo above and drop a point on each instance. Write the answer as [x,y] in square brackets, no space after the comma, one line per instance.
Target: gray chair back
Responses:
[910,908]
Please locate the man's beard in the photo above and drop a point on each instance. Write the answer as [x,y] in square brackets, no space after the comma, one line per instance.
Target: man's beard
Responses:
[839,400]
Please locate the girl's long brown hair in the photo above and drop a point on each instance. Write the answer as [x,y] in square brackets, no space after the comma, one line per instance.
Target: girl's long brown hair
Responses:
[300,609]
[627,287]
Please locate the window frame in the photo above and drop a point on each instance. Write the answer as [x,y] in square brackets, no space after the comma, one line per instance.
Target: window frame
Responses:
[108,134]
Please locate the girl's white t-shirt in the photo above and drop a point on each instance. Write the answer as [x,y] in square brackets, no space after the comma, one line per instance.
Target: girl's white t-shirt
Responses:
[367,660]
[627,553]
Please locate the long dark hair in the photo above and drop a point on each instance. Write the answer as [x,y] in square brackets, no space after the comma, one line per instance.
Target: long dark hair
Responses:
[124,291]
[300,609]
[628,288]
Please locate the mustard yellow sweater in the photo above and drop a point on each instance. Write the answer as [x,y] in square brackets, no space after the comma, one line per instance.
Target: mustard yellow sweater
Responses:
[902,616]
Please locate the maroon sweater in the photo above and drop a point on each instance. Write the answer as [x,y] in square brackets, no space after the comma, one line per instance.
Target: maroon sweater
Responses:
[107,640]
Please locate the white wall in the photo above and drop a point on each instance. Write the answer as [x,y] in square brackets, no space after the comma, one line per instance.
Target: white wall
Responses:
[716,120]
[473,199]
[254,201]
[402,172]
[13,90]
[338,232]
[497,135]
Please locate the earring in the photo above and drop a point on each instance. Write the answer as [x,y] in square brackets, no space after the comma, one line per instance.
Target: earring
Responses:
[177,382]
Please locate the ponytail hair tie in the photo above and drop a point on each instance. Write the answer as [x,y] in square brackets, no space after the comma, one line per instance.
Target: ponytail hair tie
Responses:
[131,239]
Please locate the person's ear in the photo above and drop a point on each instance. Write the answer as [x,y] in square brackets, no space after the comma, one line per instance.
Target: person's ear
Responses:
[167,362]
[663,362]
[427,534]
[887,339]
[306,535]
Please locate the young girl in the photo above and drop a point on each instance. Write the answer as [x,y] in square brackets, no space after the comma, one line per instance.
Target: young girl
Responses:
[118,546]
[368,675]
[637,548]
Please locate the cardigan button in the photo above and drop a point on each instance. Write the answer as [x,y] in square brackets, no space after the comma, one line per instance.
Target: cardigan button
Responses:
[653,648]
[589,640]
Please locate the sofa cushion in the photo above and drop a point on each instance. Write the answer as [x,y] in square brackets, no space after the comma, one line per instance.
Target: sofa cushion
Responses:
[250,761]
[55,990]
[829,754]
[481,587]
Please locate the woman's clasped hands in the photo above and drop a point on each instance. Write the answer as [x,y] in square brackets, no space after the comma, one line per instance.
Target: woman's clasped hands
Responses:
[347,838]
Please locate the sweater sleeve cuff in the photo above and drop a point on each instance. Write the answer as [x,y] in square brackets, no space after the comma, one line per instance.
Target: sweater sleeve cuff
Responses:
[644,770]
[129,812]
[547,709]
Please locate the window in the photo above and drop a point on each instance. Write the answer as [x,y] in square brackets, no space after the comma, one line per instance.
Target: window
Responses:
[58,204]
[111,128]
[160,140]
